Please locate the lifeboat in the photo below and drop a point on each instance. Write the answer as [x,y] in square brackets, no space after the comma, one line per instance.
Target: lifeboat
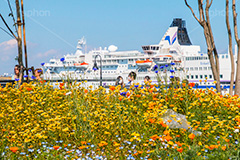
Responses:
[81,65]
[144,63]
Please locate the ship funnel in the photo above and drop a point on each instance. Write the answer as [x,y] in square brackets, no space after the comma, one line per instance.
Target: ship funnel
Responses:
[176,33]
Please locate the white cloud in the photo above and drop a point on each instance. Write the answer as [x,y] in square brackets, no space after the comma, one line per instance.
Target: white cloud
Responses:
[48,53]
[8,45]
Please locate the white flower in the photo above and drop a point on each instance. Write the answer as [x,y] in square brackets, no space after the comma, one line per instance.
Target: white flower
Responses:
[68,93]
[236,131]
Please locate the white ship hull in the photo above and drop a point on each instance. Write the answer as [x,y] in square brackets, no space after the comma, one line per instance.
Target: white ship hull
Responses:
[174,52]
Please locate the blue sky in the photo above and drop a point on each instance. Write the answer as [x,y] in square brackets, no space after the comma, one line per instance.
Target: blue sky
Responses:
[53,27]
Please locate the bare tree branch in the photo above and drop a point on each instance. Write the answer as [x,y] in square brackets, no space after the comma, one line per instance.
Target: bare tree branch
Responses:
[8,27]
[209,4]
[192,11]
[201,13]
[14,22]
[235,20]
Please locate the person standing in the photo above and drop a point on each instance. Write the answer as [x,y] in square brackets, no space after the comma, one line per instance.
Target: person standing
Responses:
[119,81]
[131,77]
[38,72]
[16,72]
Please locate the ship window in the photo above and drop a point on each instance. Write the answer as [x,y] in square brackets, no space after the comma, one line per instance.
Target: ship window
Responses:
[187,68]
[209,68]
[226,56]
[210,76]
[191,68]
[205,68]
[200,68]
[187,76]
[196,76]
[196,68]
[201,76]
[222,56]
[192,77]
[221,76]
[205,76]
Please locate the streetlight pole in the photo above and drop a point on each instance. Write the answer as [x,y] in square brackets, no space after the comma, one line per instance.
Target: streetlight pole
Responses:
[95,67]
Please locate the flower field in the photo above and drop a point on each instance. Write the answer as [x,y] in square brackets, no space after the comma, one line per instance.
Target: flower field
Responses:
[76,122]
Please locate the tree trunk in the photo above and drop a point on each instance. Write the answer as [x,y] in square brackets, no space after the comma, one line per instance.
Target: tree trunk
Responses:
[19,39]
[204,21]
[237,80]
[230,48]
[216,74]
[24,40]
[211,57]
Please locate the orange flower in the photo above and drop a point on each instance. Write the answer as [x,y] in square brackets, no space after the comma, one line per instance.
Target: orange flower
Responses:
[29,89]
[168,138]
[85,91]
[191,84]
[112,88]
[163,124]
[154,137]
[224,148]
[14,149]
[81,147]
[42,81]
[180,150]
[191,136]
[83,142]
[151,120]
[55,147]
[166,132]
[128,94]
[120,98]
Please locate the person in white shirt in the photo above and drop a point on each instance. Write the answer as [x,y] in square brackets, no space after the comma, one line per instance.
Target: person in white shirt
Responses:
[131,77]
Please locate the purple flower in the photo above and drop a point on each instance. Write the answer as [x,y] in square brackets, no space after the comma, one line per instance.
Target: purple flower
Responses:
[39,71]
[123,93]
[172,63]
[62,59]
[161,67]
[25,76]
[17,79]
[136,86]
[156,71]
[42,64]
[94,68]
[171,77]
[166,65]
[172,71]
[155,67]
[33,77]
[30,70]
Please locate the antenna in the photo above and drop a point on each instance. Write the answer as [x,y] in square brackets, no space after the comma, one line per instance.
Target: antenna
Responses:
[81,43]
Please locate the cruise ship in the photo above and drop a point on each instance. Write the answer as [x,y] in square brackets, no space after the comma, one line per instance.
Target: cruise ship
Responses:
[175,52]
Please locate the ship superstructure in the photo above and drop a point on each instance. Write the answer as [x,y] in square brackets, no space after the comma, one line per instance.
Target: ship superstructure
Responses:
[174,52]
